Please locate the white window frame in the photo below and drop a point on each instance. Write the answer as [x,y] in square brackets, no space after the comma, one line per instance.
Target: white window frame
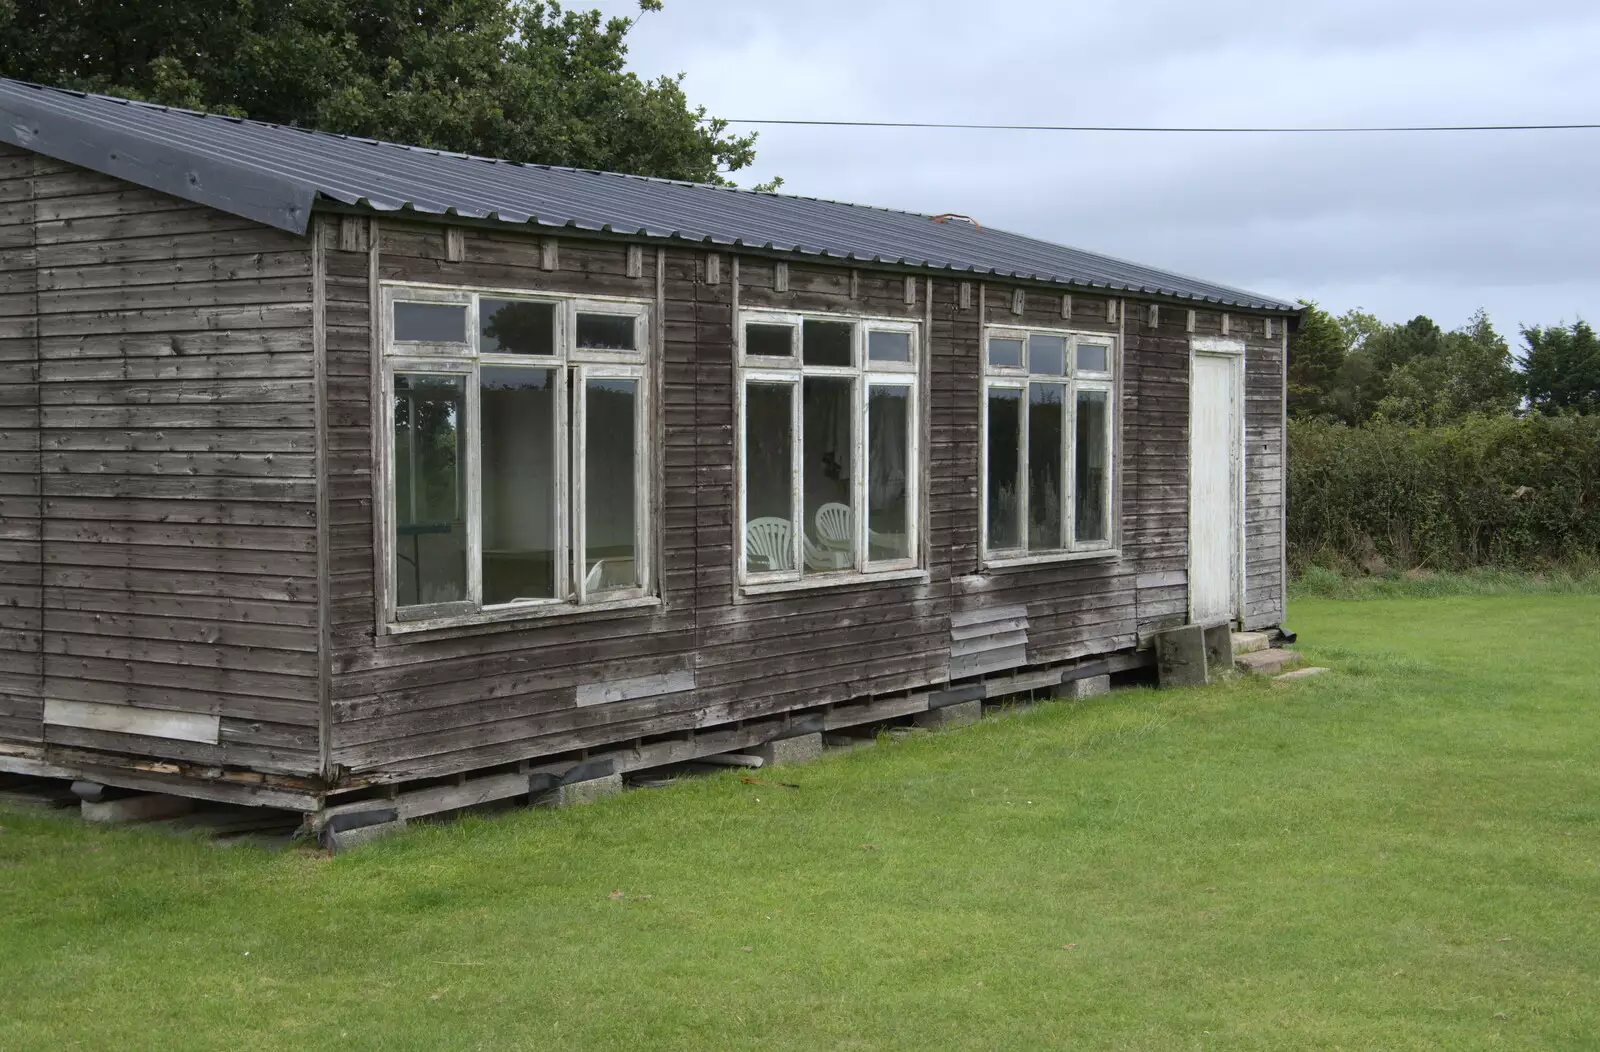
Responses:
[571,366]
[1075,380]
[864,374]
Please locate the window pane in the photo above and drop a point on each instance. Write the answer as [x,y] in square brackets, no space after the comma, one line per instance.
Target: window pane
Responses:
[430,531]
[829,426]
[1094,358]
[1093,519]
[776,340]
[1005,353]
[517,451]
[888,473]
[1004,442]
[1047,355]
[889,346]
[1047,407]
[606,332]
[828,343]
[768,479]
[610,559]
[430,322]
[516,327]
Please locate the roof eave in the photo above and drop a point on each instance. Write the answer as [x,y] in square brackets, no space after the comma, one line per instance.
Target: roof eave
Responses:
[1260,305]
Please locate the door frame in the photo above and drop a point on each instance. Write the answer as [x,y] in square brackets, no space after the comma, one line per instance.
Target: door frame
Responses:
[1231,349]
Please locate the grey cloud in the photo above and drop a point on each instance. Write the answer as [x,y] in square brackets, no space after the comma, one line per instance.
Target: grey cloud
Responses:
[1398,224]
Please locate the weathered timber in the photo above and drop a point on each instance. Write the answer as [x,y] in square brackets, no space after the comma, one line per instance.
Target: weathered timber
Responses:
[191,452]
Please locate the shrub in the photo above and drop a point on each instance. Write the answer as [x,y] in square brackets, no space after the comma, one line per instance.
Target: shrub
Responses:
[1515,493]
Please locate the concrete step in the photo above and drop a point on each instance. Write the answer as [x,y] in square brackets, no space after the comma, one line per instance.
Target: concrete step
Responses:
[1302,673]
[1266,662]
[1250,642]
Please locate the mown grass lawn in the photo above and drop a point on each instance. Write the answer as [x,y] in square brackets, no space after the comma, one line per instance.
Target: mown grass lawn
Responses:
[1403,855]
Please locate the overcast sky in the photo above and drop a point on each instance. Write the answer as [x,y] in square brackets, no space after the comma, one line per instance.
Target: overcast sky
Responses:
[1435,224]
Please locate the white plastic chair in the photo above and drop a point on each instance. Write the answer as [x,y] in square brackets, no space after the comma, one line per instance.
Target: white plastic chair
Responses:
[833,525]
[597,573]
[770,540]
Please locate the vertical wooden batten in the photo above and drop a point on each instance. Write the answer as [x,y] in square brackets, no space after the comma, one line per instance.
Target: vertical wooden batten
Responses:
[658,404]
[925,430]
[319,379]
[37,357]
[380,507]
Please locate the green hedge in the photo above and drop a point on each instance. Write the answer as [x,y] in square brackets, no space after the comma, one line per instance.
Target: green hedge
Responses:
[1491,491]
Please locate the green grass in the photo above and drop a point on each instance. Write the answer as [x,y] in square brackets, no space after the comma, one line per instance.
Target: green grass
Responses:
[1403,855]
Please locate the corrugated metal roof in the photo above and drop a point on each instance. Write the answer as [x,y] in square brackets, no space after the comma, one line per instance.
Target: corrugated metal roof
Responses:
[274,174]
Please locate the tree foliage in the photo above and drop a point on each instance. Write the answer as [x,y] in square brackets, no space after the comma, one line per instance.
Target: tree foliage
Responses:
[1563,368]
[520,79]
[1316,354]
[1354,368]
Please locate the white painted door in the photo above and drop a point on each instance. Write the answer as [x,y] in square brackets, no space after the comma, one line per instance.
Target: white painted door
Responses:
[1215,509]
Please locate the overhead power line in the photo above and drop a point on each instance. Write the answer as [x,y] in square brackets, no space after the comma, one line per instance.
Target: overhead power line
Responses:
[1142,129]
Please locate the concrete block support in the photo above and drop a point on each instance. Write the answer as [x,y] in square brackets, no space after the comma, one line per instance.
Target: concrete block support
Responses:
[798,749]
[944,718]
[1219,648]
[341,840]
[1181,657]
[1087,687]
[585,792]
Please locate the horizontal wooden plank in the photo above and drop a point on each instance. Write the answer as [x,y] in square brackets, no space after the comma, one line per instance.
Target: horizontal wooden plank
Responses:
[125,719]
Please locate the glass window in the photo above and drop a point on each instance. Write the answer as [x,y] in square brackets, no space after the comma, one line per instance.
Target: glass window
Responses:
[888,473]
[1093,482]
[1003,440]
[1005,353]
[1094,358]
[774,340]
[430,322]
[828,437]
[515,481]
[517,457]
[828,342]
[516,327]
[1047,355]
[609,498]
[606,332]
[1047,406]
[888,346]
[1048,471]
[830,442]
[769,477]
[430,530]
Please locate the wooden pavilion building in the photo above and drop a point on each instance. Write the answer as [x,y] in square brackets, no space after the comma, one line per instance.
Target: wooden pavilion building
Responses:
[353,478]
